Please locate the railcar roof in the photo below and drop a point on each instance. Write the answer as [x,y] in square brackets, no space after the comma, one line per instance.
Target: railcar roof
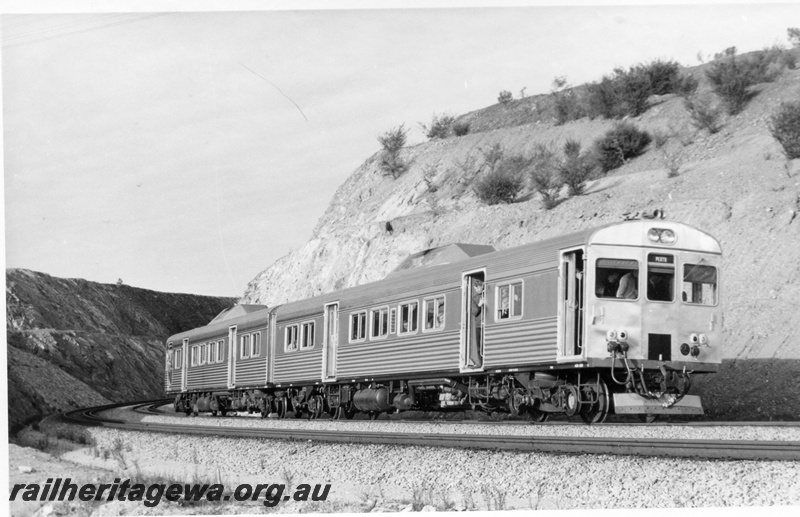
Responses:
[253,316]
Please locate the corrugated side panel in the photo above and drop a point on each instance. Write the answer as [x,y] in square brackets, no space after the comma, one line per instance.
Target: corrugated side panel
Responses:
[251,372]
[521,342]
[208,376]
[175,377]
[300,365]
[421,353]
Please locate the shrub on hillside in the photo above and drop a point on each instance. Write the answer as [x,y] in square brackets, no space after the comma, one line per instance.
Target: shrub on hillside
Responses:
[704,113]
[664,76]
[505,178]
[461,128]
[625,93]
[732,76]
[392,142]
[441,126]
[785,127]
[545,175]
[505,97]
[621,143]
[793,33]
[576,168]
[566,104]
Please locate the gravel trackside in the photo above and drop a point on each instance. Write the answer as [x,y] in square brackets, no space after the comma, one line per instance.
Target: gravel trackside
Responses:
[526,480]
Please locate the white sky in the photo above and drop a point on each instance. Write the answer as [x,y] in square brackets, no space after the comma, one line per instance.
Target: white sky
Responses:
[140,147]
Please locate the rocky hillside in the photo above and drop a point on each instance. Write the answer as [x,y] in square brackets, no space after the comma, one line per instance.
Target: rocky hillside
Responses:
[735,184]
[75,343]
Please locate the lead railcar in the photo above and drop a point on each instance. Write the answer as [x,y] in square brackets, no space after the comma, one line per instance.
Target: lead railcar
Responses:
[611,319]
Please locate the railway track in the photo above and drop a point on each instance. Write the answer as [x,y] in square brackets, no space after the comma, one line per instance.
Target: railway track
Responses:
[704,449]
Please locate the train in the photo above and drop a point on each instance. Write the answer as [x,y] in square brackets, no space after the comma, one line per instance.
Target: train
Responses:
[615,319]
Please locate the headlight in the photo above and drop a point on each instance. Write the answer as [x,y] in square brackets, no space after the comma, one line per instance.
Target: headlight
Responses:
[611,335]
[693,338]
[661,235]
[702,339]
[622,335]
[668,237]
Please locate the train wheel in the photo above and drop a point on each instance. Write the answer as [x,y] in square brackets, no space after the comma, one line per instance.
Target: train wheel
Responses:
[534,415]
[514,402]
[280,406]
[648,419]
[572,401]
[320,409]
[596,413]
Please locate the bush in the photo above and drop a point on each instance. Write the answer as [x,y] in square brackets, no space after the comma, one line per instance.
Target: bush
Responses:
[502,185]
[566,105]
[393,142]
[624,93]
[732,76]
[545,176]
[441,126]
[793,33]
[461,128]
[703,113]
[664,76]
[576,169]
[785,127]
[620,143]
[601,99]
[504,97]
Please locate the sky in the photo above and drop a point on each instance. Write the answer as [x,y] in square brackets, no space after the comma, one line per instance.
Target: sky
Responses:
[187,151]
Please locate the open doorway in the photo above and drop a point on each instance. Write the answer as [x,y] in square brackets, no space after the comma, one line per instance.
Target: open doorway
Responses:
[473,287]
[573,279]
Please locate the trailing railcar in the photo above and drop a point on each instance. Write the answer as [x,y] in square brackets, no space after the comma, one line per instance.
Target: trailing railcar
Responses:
[612,319]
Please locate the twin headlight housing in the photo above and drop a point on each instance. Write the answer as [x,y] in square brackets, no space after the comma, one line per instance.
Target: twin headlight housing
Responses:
[661,236]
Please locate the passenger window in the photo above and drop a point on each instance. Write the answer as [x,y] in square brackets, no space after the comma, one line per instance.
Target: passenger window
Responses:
[220,349]
[660,277]
[178,359]
[408,318]
[509,300]
[393,321]
[617,278]
[434,313]
[307,335]
[380,323]
[290,338]
[358,326]
[699,284]
[256,345]
[245,346]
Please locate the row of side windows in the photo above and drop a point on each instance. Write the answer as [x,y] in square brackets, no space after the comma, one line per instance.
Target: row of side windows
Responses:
[250,345]
[403,320]
[298,336]
[205,353]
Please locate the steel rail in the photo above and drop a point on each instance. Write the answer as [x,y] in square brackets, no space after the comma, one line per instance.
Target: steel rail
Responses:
[701,449]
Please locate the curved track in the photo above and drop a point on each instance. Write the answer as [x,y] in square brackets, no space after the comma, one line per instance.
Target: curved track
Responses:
[706,449]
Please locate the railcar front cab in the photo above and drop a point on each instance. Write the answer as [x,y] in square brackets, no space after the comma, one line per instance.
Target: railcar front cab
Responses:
[641,306]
